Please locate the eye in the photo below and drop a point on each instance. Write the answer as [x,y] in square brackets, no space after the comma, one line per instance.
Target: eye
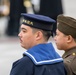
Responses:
[57,34]
[24,31]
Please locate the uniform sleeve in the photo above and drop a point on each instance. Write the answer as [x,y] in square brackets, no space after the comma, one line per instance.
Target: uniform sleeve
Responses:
[23,66]
[73,66]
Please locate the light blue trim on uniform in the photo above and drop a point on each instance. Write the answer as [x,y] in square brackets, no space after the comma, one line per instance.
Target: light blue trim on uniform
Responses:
[43,54]
[45,61]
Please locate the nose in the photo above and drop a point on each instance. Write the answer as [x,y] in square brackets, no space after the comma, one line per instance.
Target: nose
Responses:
[19,34]
[55,38]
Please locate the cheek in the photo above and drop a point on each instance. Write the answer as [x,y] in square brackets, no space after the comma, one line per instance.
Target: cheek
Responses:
[26,42]
[28,39]
[61,44]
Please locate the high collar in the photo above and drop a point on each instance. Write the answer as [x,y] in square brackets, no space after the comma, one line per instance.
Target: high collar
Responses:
[69,52]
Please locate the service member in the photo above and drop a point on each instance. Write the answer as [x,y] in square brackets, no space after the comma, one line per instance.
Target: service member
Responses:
[16,7]
[51,8]
[40,57]
[66,40]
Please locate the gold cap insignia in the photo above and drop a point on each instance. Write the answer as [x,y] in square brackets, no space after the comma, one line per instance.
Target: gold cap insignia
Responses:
[27,22]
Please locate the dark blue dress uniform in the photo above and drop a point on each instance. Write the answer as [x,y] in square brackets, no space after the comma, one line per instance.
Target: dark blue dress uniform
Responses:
[39,60]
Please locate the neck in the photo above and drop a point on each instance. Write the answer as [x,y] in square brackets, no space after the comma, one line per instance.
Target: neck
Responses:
[70,46]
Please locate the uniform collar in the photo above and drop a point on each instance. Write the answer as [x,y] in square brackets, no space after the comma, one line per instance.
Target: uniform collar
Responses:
[69,52]
[43,54]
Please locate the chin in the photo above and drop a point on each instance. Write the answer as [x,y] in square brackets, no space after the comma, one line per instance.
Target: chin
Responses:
[22,46]
[59,48]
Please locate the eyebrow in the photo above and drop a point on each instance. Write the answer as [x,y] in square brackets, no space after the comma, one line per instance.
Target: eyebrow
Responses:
[23,28]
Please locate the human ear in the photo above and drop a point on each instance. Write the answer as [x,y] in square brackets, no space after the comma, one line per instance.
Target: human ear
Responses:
[69,38]
[39,35]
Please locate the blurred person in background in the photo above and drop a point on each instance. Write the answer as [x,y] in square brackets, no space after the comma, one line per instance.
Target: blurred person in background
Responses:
[40,58]
[16,7]
[51,8]
[4,8]
[66,40]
